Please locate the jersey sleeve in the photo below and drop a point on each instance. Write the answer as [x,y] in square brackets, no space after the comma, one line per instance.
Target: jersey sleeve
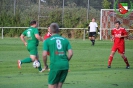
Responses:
[45,37]
[96,25]
[36,31]
[124,32]
[24,33]
[89,24]
[45,46]
[112,33]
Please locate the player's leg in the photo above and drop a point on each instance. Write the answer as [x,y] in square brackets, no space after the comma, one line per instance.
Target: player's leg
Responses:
[26,60]
[31,49]
[121,50]
[125,60]
[110,58]
[60,85]
[52,86]
[93,35]
[93,38]
[39,68]
[53,79]
[35,52]
[56,78]
[114,48]
[93,41]
[90,37]
[63,76]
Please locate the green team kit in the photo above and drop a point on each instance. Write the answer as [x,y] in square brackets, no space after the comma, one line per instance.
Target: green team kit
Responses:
[32,42]
[57,46]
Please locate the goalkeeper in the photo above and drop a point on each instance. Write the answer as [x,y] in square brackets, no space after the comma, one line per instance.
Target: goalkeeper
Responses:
[92,31]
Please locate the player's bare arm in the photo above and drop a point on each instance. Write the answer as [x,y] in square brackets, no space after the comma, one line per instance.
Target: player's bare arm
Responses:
[70,54]
[38,37]
[124,36]
[112,39]
[23,40]
[45,59]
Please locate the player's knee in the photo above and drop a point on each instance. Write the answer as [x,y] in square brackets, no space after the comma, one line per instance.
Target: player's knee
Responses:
[33,57]
[112,54]
[123,56]
[59,85]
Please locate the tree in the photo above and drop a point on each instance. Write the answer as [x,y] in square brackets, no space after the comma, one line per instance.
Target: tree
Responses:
[106,4]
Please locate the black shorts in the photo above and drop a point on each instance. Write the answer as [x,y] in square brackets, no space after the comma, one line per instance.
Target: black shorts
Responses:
[92,34]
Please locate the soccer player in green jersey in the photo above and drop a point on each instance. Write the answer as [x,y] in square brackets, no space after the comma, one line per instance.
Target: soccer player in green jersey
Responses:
[33,38]
[58,47]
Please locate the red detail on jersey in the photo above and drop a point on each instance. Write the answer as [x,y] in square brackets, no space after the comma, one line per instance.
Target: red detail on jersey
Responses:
[48,35]
[116,33]
[48,53]
[122,10]
[56,52]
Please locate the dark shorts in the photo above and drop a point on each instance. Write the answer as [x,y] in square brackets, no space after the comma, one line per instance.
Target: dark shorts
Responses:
[92,34]
[57,76]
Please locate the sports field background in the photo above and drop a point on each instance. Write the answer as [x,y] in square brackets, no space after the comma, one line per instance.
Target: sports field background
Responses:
[88,67]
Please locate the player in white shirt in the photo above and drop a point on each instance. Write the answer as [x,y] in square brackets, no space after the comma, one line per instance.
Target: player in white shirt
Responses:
[92,31]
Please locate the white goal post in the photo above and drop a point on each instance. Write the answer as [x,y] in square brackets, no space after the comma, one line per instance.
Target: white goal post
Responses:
[107,19]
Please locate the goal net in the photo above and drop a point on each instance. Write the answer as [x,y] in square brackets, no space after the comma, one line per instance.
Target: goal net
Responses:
[107,19]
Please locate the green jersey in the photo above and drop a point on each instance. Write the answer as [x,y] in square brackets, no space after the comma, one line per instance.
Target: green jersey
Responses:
[30,34]
[57,46]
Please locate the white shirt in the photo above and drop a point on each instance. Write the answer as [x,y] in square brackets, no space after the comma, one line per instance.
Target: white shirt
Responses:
[93,26]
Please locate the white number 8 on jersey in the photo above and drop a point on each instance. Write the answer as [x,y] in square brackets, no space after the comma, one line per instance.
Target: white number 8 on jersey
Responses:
[58,44]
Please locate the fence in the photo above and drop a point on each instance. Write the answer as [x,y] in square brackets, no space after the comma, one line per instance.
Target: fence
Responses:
[73,33]
[80,33]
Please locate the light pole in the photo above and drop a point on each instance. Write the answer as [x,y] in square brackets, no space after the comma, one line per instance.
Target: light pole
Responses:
[38,12]
[63,13]
[14,7]
[88,11]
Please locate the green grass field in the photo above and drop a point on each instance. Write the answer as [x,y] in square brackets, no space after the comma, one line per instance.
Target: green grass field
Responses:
[88,67]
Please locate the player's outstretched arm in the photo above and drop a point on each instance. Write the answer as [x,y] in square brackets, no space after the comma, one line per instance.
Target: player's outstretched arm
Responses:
[38,37]
[70,54]
[23,40]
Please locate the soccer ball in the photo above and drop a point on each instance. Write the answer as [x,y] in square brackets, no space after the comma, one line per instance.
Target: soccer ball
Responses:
[36,64]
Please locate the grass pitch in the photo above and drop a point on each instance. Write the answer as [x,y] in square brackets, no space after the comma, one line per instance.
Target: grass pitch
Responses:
[88,67]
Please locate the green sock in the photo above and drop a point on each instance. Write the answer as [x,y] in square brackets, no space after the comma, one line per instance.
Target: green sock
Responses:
[26,60]
[39,68]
